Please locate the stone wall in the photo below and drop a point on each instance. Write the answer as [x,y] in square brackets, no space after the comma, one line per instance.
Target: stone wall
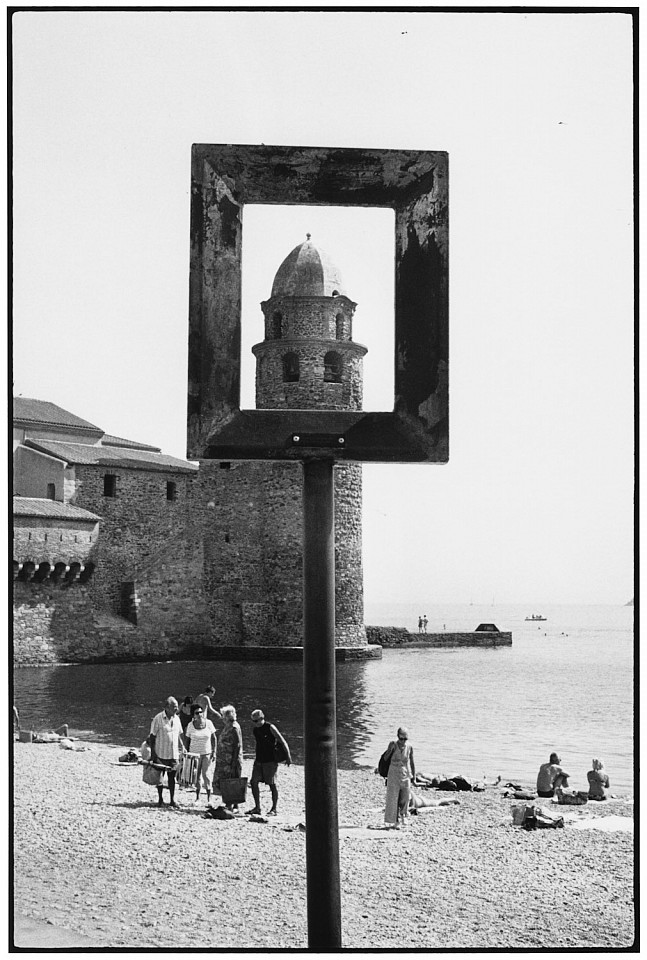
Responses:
[253,534]
[400,637]
[42,539]
[54,623]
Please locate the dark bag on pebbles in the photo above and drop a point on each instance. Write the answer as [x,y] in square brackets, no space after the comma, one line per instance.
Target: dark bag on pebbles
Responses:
[447,785]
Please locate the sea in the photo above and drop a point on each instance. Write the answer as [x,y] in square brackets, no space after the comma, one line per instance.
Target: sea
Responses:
[566,684]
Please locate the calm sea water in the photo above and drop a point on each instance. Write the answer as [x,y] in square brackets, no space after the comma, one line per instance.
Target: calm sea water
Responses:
[565,684]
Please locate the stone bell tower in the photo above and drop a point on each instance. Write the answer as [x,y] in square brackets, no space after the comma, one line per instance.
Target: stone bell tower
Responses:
[253,550]
[308,359]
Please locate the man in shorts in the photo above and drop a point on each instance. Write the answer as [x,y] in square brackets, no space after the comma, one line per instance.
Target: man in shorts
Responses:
[265,765]
[551,776]
[166,744]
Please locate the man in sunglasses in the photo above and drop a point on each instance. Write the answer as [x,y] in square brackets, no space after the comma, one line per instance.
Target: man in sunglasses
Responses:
[265,764]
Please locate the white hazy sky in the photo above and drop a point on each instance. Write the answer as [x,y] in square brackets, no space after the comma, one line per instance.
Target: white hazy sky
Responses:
[535,111]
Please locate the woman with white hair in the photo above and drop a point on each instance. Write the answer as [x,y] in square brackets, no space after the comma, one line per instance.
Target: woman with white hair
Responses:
[598,781]
[229,753]
[402,771]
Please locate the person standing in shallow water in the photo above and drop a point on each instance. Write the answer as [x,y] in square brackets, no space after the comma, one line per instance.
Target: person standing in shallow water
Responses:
[402,771]
[265,766]
[204,699]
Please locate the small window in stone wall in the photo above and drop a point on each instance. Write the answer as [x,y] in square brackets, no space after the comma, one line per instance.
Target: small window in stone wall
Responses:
[171,490]
[110,485]
[332,367]
[339,326]
[277,325]
[290,368]
[51,491]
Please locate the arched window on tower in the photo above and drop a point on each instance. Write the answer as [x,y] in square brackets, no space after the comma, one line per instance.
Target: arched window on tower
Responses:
[332,367]
[290,368]
[339,326]
[277,325]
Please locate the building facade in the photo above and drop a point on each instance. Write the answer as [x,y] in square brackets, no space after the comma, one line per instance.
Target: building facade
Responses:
[122,552]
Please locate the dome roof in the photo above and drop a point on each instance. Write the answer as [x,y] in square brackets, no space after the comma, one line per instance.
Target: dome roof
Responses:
[307,272]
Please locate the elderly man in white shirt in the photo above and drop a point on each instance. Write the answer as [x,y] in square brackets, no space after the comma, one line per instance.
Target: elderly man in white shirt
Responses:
[166,744]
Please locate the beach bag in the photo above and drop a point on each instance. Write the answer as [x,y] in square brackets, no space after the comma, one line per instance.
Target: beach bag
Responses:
[219,813]
[448,785]
[462,783]
[568,799]
[384,763]
[234,790]
[536,818]
[280,755]
[152,776]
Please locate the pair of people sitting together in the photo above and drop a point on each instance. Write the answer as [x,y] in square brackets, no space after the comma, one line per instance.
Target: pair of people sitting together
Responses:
[552,779]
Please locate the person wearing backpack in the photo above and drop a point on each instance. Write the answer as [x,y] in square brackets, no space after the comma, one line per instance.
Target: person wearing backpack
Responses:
[402,771]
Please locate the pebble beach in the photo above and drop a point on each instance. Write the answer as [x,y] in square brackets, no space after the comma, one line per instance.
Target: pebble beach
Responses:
[97,861]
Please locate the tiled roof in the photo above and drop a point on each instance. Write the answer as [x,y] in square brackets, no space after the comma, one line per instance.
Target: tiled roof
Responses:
[35,507]
[85,453]
[109,441]
[42,411]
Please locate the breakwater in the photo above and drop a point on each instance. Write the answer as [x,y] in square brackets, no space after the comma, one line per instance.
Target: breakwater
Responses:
[401,637]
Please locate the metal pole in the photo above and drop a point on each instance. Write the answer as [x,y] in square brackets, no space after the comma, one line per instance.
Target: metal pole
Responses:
[319,706]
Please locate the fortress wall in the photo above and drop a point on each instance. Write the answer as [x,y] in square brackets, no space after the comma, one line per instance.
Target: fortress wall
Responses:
[253,553]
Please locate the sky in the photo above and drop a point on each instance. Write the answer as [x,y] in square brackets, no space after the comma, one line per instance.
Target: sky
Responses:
[535,110]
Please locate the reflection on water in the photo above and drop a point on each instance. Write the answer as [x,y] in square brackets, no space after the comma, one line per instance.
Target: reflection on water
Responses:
[115,702]
[468,710]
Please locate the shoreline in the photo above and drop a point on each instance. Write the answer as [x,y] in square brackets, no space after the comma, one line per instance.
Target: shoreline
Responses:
[95,856]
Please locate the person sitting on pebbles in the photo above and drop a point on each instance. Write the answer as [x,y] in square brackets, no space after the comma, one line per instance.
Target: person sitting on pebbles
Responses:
[551,776]
[598,781]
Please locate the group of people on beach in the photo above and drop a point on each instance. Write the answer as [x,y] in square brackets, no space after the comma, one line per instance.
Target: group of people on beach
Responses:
[183,737]
[552,779]
[401,780]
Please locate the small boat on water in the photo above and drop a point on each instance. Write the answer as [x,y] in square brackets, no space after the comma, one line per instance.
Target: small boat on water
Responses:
[535,617]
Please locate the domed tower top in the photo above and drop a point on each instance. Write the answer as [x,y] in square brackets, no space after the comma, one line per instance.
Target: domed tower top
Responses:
[308,271]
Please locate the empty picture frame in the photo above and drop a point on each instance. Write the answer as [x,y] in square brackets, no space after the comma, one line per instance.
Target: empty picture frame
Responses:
[224,177]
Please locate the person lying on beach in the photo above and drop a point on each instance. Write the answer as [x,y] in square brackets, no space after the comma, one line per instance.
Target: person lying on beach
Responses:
[418,803]
[551,776]
[598,781]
